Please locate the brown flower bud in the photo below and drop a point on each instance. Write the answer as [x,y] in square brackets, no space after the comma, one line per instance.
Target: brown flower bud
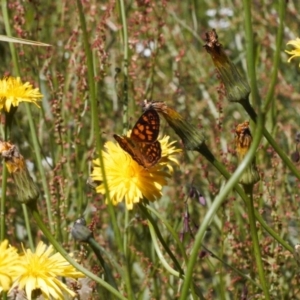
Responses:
[243,140]
[237,87]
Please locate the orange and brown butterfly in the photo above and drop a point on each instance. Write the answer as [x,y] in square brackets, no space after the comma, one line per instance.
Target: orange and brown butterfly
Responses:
[142,145]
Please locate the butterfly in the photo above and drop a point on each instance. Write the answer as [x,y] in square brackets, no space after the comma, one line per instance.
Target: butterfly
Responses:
[142,145]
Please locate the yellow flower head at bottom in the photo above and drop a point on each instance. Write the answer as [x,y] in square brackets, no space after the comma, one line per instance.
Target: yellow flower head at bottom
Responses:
[129,181]
[8,263]
[41,271]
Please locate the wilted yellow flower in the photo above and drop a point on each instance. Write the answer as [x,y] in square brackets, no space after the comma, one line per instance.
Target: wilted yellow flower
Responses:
[40,272]
[129,181]
[8,263]
[243,140]
[13,91]
[296,51]
[26,188]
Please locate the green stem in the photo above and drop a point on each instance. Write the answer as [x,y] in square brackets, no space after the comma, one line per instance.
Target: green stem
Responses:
[276,60]
[3,201]
[127,257]
[180,245]
[171,230]
[61,250]
[8,33]
[28,229]
[38,155]
[160,254]
[232,182]
[32,128]
[122,13]
[161,239]
[154,231]
[95,123]
[99,141]
[246,277]
[254,237]
[4,170]
[251,53]
[108,274]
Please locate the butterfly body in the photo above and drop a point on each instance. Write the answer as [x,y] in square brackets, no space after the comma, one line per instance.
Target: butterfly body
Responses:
[142,145]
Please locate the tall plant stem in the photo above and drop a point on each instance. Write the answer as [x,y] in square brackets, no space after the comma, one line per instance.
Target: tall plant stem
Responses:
[255,243]
[31,125]
[122,13]
[99,141]
[232,182]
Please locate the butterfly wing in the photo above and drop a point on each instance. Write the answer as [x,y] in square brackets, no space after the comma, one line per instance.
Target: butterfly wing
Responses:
[145,154]
[146,129]
[142,145]
[131,148]
[151,153]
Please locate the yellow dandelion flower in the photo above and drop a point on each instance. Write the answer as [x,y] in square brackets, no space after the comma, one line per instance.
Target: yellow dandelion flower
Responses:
[8,262]
[129,181]
[296,51]
[40,272]
[13,91]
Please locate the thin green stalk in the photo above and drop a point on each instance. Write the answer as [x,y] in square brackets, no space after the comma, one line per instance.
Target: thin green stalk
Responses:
[251,54]
[154,234]
[194,33]
[232,182]
[164,244]
[99,140]
[171,230]
[95,123]
[4,170]
[127,257]
[276,60]
[108,274]
[32,128]
[237,271]
[270,107]
[37,150]
[28,229]
[3,201]
[8,33]
[160,254]
[122,13]
[255,243]
[61,250]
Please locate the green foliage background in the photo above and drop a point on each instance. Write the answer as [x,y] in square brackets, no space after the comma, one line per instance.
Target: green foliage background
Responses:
[167,62]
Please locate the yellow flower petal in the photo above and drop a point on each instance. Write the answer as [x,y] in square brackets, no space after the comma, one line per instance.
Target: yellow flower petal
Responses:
[8,265]
[295,52]
[127,180]
[13,91]
[40,271]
